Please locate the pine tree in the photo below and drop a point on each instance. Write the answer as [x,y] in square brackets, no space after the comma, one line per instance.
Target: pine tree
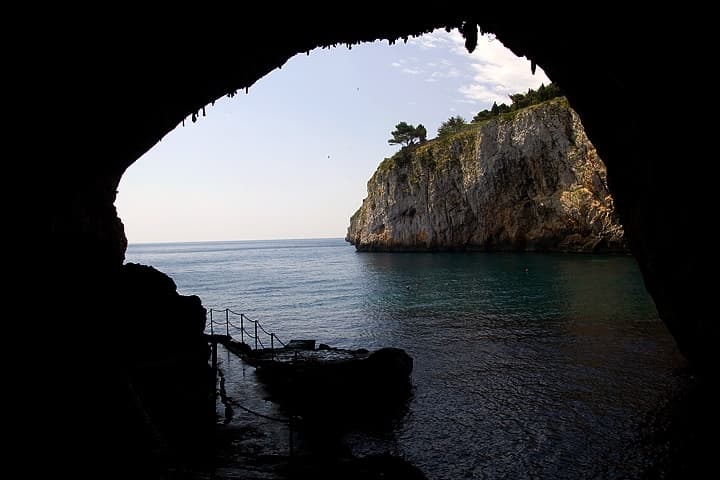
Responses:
[407,134]
[451,125]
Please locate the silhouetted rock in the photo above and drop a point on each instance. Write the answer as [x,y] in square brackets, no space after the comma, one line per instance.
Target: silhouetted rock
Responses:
[335,385]
[301,345]
[167,366]
[390,364]
[239,348]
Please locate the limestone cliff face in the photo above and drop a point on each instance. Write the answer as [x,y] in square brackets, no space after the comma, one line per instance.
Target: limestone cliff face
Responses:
[524,181]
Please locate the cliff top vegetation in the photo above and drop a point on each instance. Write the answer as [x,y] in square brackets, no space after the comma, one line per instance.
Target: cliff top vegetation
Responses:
[406,134]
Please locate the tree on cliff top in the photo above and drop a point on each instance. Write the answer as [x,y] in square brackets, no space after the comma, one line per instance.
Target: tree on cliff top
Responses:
[520,100]
[451,125]
[407,134]
[421,132]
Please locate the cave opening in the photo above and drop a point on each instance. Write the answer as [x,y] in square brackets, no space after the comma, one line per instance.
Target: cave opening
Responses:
[636,339]
[310,133]
[148,82]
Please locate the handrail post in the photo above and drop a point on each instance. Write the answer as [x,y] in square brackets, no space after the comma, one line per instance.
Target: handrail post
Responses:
[256,338]
[227,322]
[242,328]
[211,323]
[214,370]
[272,343]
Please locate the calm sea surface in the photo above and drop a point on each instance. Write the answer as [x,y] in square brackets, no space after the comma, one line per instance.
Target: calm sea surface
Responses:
[526,365]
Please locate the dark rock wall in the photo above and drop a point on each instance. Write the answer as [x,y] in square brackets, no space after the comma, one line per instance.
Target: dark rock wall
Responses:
[119,86]
[167,366]
[127,376]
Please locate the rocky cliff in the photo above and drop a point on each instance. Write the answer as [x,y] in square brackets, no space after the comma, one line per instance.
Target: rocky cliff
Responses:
[529,180]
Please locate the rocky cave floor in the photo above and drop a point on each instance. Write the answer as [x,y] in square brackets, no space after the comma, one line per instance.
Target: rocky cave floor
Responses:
[243,453]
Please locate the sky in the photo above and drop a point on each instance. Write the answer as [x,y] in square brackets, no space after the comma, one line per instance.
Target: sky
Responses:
[292,157]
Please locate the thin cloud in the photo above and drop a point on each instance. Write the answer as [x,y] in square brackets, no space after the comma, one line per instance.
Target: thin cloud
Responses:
[490,74]
[439,74]
[409,66]
[430,40]
[494,71]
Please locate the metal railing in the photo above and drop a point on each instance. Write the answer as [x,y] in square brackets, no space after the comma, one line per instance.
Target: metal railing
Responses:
[232,329]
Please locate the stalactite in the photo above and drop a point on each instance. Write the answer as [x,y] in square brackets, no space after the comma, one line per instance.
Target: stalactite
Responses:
[470,32]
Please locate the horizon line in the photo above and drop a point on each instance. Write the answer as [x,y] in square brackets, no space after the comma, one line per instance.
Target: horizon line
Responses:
[229,241]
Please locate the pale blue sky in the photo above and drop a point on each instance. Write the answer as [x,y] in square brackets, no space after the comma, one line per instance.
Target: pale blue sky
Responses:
[291,159]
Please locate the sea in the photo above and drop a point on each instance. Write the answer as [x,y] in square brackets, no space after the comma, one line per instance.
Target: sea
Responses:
[526,365]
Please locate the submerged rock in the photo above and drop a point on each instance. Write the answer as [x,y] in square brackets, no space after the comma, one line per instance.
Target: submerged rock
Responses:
[530,180]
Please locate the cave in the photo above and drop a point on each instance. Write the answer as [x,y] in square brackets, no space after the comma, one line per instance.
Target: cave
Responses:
[127,86]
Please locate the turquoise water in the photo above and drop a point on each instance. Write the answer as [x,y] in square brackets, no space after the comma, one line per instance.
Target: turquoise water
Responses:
[526,365]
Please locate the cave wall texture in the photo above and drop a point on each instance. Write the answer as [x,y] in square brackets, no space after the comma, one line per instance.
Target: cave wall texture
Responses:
[130,81]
